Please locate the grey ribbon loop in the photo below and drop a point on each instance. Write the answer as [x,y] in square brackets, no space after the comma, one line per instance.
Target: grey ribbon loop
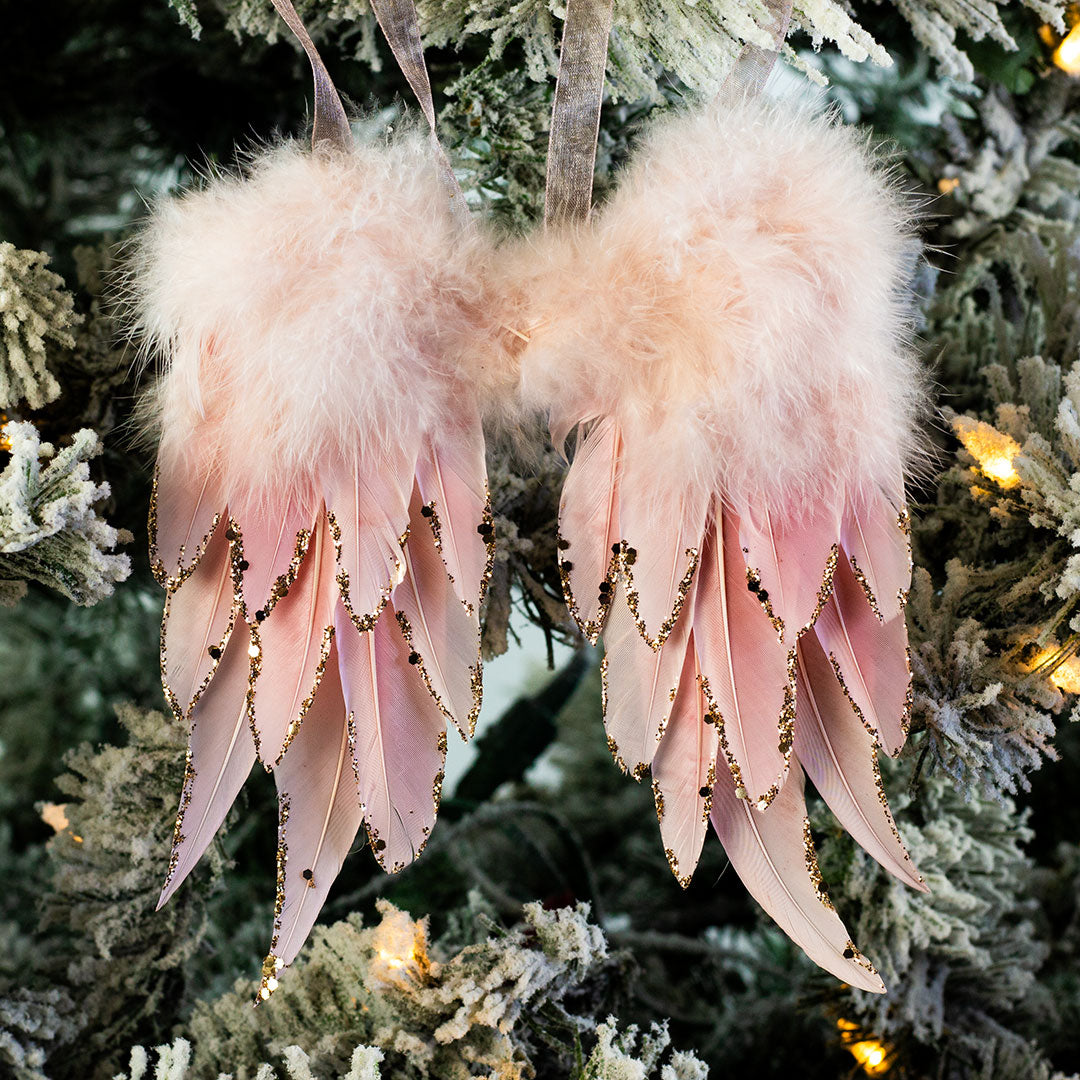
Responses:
[401,27]
[575,115]
[754,64]
[331,126]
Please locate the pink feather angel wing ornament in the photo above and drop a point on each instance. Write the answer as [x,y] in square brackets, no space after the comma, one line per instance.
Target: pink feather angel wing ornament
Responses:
[729,338]
[320,517]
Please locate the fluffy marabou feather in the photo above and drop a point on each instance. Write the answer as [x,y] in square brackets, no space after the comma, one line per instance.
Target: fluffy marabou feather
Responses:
[315,302]
[740,302]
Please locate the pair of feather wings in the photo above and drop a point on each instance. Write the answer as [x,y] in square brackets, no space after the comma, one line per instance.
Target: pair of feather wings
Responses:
[739,655]
[332,638]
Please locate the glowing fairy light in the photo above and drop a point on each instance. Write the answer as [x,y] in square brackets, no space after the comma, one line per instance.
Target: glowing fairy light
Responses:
[948,184]
[993,450]
[1000,468]
[55,816]
[395,963]
[399,952]
[1067,54]
[1061,667]
[872,1055]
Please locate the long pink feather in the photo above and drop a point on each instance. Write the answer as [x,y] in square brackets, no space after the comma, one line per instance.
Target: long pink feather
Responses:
[220,756]
[875,540]
[639,684]
[399,739]
[662,529]
[793,561]
[444,637]
[199,617]
[589,525]
[370,509]
[319,815]
[452,475]
[684,771]
[870,659]
[840,757]
[772,853]
[184,508]
[742,661]
[290,649]
[269,541]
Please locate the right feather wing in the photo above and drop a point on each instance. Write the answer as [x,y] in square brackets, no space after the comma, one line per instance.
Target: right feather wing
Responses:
[289,650]
[639,685]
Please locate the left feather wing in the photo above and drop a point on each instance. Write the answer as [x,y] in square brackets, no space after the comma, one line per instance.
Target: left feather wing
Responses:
[272,544]
[185,508]
[773,853]
[369,513]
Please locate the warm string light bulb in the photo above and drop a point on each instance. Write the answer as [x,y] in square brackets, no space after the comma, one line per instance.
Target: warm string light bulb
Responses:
[871,1054]
[395,963]
[1061,666]
[1067,54]
[400,950]
[993,450]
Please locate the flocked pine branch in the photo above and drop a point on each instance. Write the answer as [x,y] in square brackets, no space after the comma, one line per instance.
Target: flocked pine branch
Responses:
[481,1001]
[106,967]
[34,311]
[50,529]
[958,960]
[695,40]
[987,718]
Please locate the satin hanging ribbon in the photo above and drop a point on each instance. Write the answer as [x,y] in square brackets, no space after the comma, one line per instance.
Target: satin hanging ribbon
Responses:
[575,115]
[401,27]
[755,64]
[331,125]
